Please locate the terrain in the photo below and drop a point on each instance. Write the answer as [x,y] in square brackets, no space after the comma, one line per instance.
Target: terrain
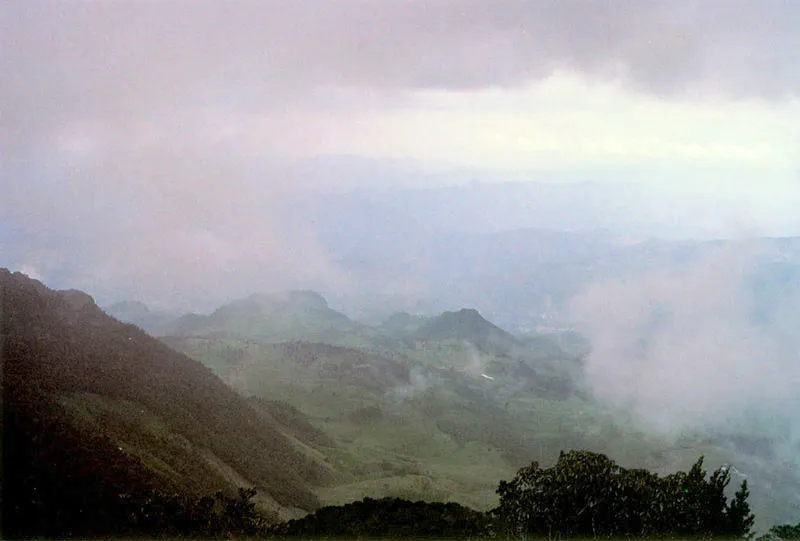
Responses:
[523,258]
[94,409]
[286,395]
[439,408]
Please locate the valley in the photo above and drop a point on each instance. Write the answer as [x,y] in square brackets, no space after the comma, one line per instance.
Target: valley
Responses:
[424,269]
[282,394]
[439,407]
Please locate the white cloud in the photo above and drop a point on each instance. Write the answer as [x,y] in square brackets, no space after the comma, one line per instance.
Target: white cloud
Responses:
[31,271]
[567,121]
[676,347]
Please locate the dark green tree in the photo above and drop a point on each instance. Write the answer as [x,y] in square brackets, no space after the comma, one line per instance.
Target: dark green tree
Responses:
[586,494]
[239,515]
[389,517]
[786,531]
[740,519]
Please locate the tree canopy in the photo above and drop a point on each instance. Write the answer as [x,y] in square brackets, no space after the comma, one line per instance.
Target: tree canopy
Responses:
[786,531]
[586,494]
[390,517]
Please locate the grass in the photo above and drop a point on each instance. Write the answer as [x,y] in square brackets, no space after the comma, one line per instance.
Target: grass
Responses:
[453,440]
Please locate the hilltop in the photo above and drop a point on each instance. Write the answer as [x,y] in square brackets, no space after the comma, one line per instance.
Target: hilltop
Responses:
[151,321]
[296,315]
[441,407]
[467,325]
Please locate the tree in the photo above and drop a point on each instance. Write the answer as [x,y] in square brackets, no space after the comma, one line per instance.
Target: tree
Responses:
[239,514]
[786,531]
[586,494]
[740,519]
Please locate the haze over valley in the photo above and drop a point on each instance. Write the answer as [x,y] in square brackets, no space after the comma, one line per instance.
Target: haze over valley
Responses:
[264,259]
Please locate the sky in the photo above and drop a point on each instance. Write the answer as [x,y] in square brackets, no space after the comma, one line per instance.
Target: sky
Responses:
[149,149]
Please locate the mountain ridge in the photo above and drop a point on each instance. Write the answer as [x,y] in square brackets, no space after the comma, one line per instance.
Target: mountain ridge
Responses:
[165,420]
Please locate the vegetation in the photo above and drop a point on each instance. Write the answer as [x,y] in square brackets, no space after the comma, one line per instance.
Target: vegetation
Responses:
[390,517]
[786,531]
[407,412]
[411,416]
[586,494]
[109,432]
[94,409]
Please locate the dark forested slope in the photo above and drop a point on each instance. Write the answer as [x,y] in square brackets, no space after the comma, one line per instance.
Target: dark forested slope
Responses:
[94,409]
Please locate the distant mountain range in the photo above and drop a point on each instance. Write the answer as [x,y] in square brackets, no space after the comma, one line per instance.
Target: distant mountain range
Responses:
[527,278]
[522,280]
[137,313]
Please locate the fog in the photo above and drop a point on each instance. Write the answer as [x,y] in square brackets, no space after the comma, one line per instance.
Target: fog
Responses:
[684,348]
[174,152]
[185,154]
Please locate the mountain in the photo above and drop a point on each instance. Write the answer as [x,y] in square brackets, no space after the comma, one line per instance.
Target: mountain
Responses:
[451,403]
[518,253]
[467,325]
[95,410]
[128,310]
[296,315]
[417,418]
[402,324]
[137,313]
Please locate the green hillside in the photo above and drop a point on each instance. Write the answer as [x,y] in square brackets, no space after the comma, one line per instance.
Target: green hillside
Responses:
[435,418]
[297,315]
[94,409]
[466,325]
[446,406]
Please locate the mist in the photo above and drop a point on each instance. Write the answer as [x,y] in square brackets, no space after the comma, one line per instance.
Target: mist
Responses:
[419,381]
[614,179]
[183,156]
[695,348]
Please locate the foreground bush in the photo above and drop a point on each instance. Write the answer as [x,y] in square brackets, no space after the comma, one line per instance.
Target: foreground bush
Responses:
[389,517]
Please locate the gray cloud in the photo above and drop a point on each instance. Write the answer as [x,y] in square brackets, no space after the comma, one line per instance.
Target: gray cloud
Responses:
[161,142]
[174,226]
[109,59]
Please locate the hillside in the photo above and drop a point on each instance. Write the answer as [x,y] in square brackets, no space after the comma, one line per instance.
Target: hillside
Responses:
[296,315]
[467,325]
[94,408]
[442,413]
[452,403]
[151,321]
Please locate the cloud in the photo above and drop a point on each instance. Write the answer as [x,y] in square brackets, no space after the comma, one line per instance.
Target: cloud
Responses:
[160,143]
[116,59]
[678,347]
[177,227]
[420,381]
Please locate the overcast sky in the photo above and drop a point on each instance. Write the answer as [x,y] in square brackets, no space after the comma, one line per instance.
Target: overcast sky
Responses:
[149,142]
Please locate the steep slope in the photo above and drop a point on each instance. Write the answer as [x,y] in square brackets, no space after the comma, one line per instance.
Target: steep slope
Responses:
[419,421]
[94,408]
